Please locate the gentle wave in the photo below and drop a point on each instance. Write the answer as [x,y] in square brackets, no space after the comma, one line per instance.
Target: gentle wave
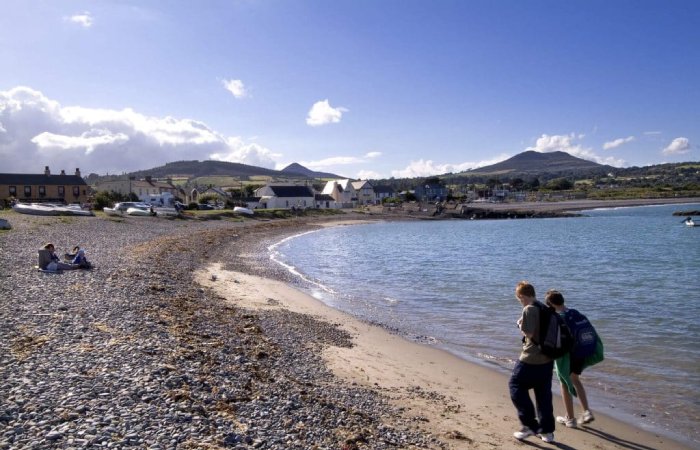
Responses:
[632,270]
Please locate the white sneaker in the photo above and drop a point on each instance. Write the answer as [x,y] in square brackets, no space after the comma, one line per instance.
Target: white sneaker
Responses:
[547,437]
[570,422]
[524,433]
[586,417]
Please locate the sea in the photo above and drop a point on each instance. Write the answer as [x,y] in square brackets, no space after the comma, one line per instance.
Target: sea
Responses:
[634,272]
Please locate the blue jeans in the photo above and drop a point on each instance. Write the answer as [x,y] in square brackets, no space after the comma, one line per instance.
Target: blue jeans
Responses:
[539,378]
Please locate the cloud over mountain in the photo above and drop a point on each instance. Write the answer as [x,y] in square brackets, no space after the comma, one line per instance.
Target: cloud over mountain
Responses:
[36,131]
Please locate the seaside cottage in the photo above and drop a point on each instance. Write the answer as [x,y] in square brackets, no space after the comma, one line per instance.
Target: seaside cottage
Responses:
[37,188]
[382,192]
[143,189]
[364,192]
[342,192]
[285,196]
[325,201]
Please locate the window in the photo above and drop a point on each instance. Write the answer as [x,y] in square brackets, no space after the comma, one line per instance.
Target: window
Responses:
[13,191]
[61,191]
[76,191]
[42,191]
[27,191]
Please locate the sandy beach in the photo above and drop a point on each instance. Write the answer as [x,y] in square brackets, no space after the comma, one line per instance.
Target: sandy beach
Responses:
[464,404]
[186,336]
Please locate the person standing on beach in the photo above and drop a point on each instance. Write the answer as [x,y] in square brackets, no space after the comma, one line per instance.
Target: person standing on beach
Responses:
[569,367]
[533,370]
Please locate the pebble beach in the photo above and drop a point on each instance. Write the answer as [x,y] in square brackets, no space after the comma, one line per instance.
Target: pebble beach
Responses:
[159,347]
[134,354]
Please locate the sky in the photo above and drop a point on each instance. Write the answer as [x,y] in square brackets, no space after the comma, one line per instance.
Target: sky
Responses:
[361,88]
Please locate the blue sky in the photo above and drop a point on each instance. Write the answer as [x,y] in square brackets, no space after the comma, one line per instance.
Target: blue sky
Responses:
[361,88]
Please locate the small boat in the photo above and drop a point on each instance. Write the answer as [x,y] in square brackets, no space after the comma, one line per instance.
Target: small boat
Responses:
[121,208]
[166,212]
[113,211]
[242,210]
[689,222]
[5,225]
[50,209]
[139,211]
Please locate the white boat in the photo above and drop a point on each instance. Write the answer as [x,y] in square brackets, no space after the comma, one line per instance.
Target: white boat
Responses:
[113,211]
[50,209]
[242,210]
[121,208]
[166,212]
[139,211]
[689,222]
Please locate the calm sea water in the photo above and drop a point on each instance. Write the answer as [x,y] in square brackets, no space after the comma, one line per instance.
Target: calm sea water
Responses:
[635,272]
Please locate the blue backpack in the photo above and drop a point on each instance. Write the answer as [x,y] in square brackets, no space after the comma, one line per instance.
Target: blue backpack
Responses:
[555,339]
[584,334]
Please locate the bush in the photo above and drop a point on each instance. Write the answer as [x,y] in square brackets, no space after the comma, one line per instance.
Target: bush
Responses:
[109,198]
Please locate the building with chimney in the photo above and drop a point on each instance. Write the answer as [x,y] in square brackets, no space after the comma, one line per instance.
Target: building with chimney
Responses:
[47,188]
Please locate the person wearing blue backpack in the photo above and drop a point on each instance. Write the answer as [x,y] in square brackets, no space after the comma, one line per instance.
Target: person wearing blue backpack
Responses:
[587,351]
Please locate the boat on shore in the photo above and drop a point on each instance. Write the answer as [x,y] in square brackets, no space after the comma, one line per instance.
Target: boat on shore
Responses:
[119,209]
[50,209]
[242,210]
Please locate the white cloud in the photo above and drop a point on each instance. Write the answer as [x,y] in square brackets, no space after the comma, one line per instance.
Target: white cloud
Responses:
[678,146]
[368,174]
[617,142]
[236,88]
[251,153]
[40,132]
[87,141]
[373,155]
[321,113]
[83,19]
[651,133]
[332,161]
[426,168]
[568,144]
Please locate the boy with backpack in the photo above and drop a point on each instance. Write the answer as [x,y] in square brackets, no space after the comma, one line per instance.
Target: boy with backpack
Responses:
[533,370]
[587,350]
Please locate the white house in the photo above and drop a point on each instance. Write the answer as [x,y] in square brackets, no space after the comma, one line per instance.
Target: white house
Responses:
[364,192]
[284,196]
[342,191]
[143,189]
[325,201]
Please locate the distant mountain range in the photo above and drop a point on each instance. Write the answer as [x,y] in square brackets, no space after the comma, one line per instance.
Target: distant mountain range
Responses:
[196,169]
[529,163]
[532,162]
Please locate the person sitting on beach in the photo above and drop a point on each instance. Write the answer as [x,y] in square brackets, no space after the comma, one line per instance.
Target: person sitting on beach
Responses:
[576,364]
[48,260]
[532,371]
[79,258]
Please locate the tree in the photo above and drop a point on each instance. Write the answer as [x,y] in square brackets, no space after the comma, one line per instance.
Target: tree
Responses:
[559,184]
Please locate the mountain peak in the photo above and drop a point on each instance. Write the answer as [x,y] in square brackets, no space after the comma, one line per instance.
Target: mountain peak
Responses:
[531,161]
[298,169]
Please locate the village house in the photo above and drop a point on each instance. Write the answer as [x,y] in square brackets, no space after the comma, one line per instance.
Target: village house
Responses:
[431,192]
[342,192]
[325,201]
[198,192]
[285,196]
[44,187]
[364,192]
[143,189]
[382,192]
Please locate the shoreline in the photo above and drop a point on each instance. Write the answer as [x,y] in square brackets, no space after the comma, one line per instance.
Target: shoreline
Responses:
[137,337]
[436,382]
